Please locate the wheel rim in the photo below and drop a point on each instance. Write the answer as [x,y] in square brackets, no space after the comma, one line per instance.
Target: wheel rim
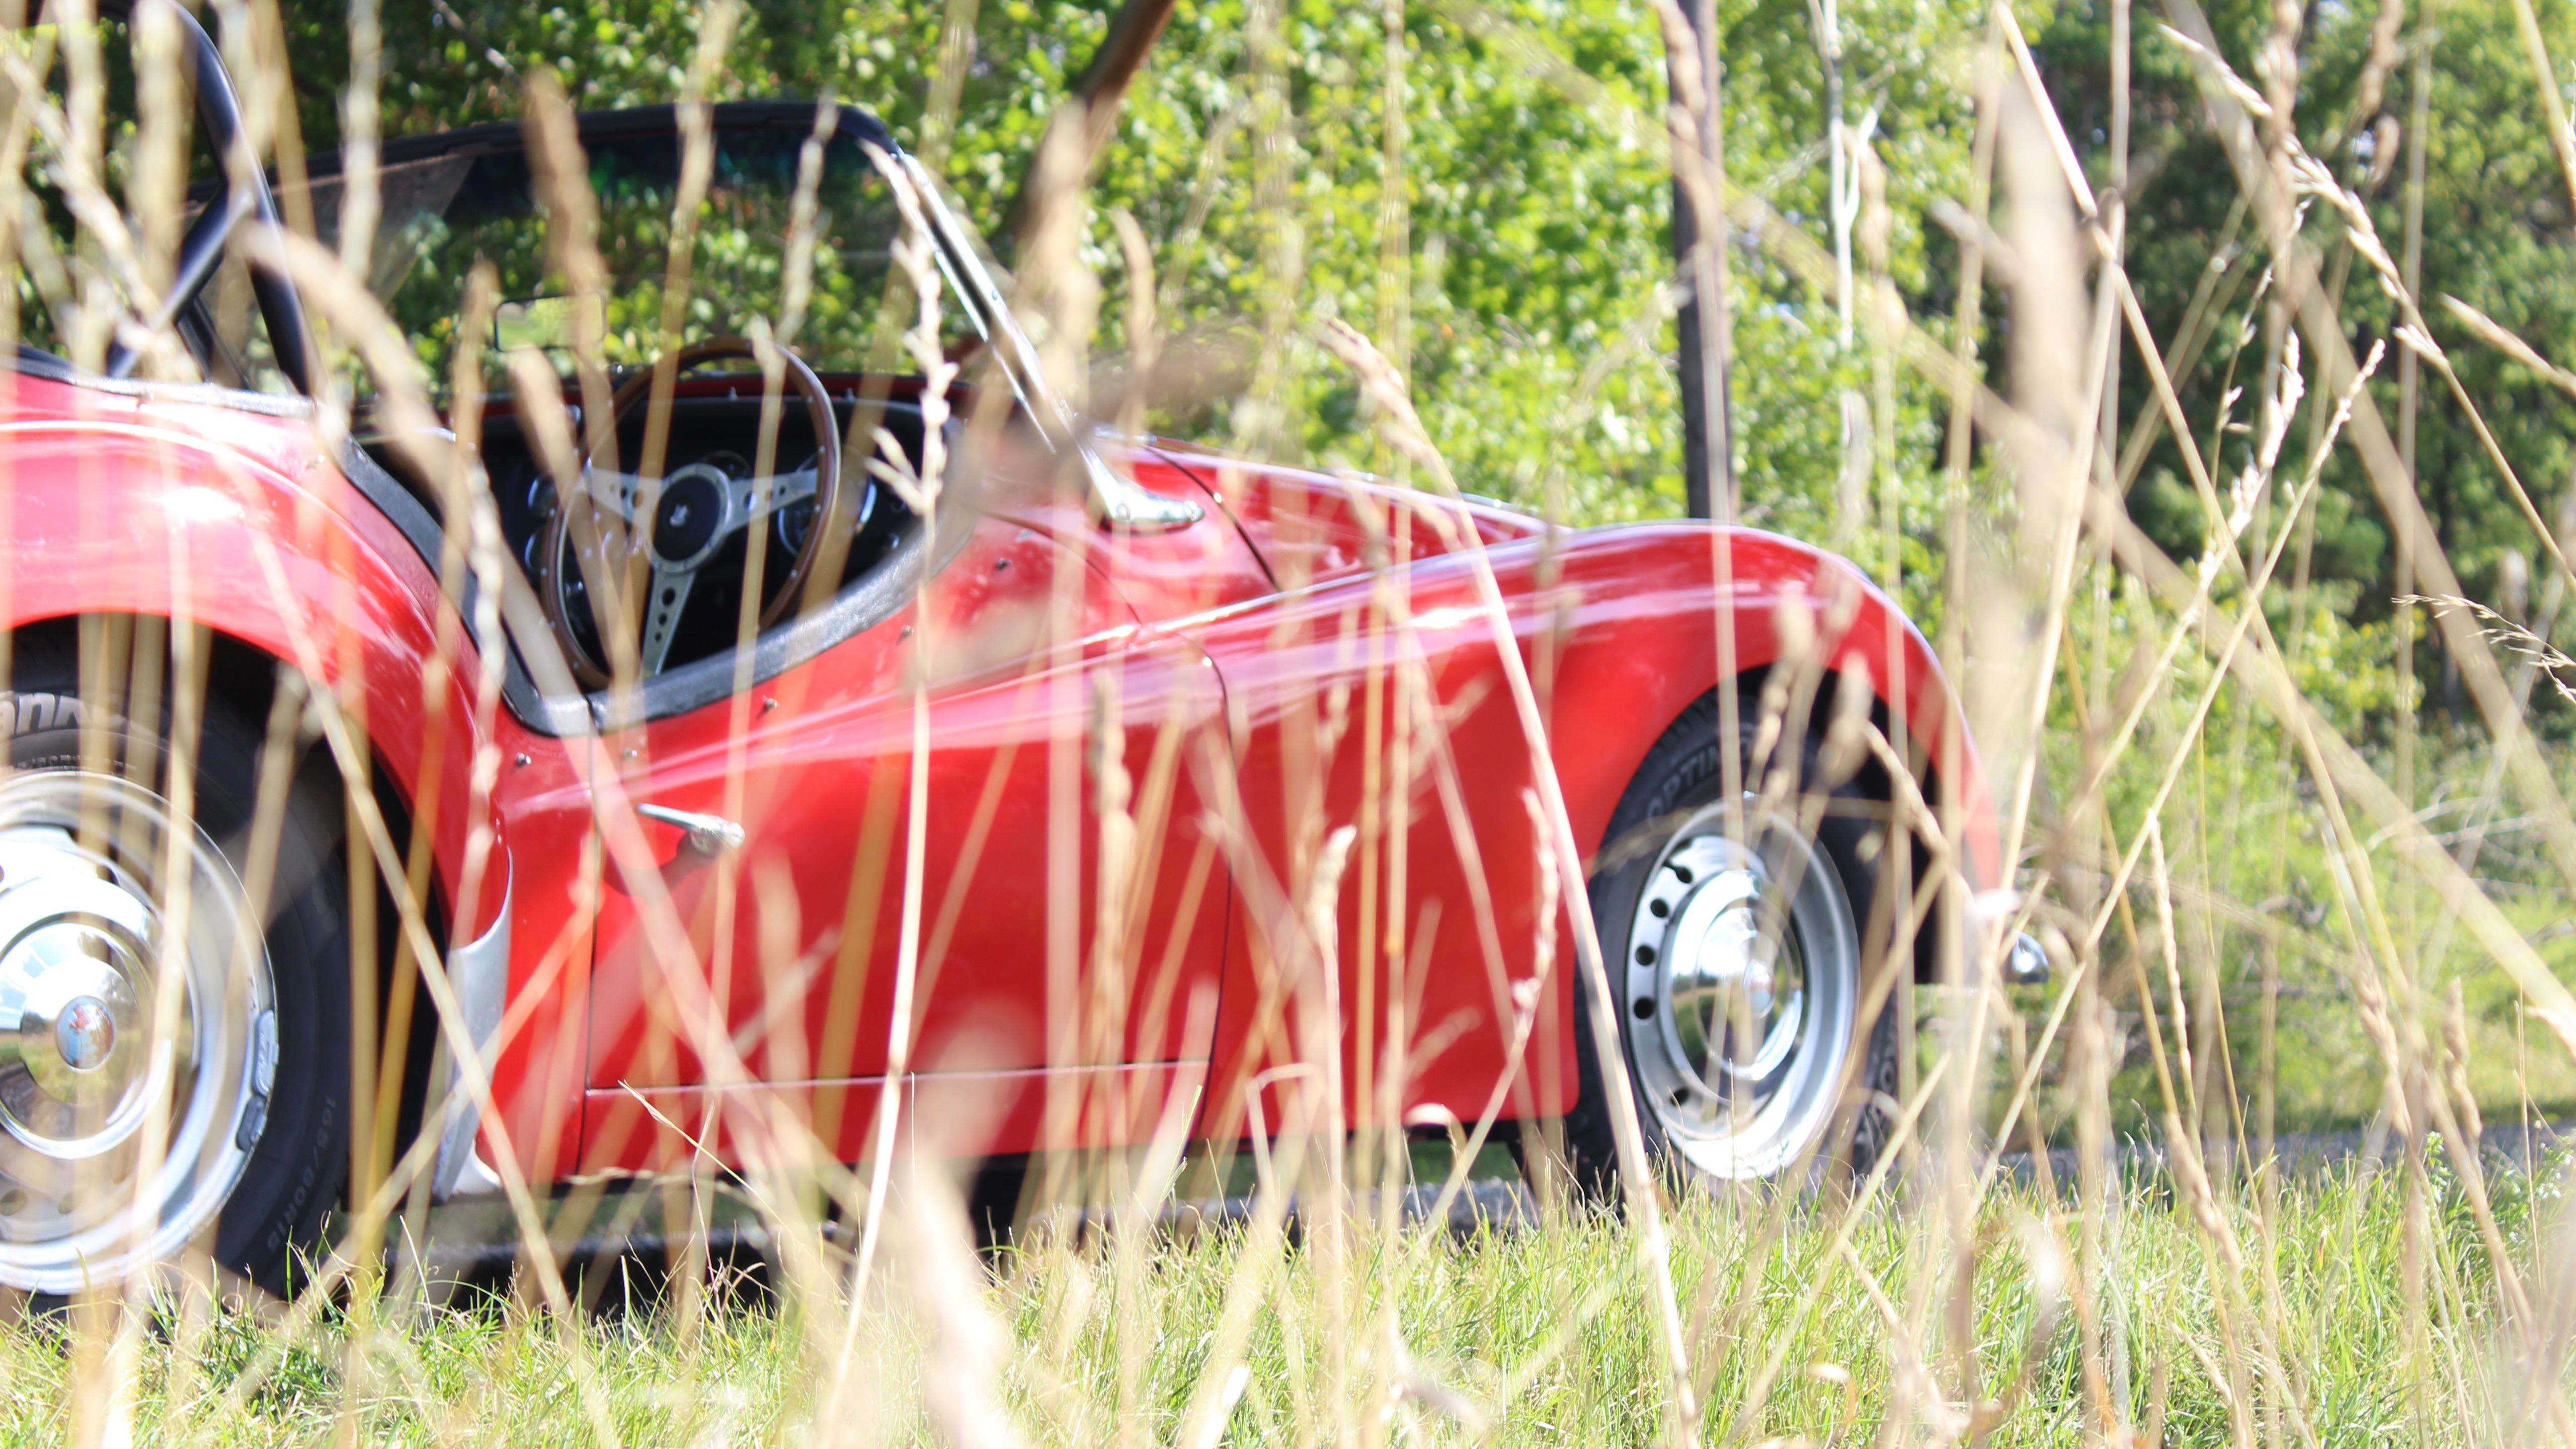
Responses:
[138,1031]
[1743,973]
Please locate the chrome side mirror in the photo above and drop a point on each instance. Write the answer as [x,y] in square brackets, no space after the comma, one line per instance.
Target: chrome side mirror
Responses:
[1129,504]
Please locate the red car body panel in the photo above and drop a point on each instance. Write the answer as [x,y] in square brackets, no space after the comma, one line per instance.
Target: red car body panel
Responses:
[824,799]
[144,505]
[1238,656]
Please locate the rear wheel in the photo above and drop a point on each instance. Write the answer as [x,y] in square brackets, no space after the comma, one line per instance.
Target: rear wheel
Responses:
[1734,947]
[173,1062]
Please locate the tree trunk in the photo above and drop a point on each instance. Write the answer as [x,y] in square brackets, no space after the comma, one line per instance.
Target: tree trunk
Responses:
[1101,88]
[1708,419]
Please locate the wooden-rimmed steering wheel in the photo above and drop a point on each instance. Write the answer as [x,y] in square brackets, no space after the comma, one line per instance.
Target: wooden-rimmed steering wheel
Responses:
[616,529]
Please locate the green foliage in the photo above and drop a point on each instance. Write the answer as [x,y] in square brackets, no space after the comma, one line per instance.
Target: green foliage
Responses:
[2497,232]
[1524,291]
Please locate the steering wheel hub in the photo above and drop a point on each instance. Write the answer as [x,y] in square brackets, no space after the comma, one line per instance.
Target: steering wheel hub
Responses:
[689,521]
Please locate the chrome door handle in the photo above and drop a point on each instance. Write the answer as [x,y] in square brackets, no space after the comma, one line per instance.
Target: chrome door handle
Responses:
[707,834]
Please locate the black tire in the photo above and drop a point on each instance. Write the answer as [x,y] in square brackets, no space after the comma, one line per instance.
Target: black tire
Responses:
[1680,775]
[273,1220]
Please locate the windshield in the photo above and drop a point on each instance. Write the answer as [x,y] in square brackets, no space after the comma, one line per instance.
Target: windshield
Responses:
[444,210]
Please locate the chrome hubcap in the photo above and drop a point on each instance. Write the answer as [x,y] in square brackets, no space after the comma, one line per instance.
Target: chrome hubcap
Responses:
[137,1031]
[1743,975]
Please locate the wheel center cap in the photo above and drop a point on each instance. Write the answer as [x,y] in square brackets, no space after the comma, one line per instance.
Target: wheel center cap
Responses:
[1717,945]
[84,1033]
[1757,989]
[688,522]
[71,1013]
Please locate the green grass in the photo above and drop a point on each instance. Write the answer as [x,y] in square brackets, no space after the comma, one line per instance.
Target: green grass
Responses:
[1546,1337]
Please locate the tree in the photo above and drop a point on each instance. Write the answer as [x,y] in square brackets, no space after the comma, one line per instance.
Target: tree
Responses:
[2497,234]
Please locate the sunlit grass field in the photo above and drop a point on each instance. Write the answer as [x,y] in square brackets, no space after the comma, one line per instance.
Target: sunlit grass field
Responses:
[1806,1331]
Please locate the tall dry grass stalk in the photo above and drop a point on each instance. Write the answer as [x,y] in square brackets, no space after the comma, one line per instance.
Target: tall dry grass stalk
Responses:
[2175,1284]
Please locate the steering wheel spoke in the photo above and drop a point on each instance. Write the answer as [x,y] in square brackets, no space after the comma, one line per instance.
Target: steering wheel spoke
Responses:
[755,499]
[619,493]
[663,603]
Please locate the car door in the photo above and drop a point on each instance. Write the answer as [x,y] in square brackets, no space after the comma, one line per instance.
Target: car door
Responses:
[749,1008]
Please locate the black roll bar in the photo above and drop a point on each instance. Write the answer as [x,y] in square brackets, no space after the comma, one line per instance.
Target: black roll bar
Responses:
[246,196]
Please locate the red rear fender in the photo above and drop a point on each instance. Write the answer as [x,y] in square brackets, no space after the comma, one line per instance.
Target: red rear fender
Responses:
[257,537]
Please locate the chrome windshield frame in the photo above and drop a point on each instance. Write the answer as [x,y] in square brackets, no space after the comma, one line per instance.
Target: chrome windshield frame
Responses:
[1118,499]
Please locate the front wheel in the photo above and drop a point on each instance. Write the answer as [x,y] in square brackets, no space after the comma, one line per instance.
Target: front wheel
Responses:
[1734,947]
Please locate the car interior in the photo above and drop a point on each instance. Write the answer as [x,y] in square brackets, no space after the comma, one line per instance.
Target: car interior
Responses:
[715,423]
[784,177]
[475,199]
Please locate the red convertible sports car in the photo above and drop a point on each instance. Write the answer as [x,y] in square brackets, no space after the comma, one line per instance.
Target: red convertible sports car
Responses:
[735,804]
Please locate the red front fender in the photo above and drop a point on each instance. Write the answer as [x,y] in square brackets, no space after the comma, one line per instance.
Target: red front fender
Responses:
[1620,630]
[1645,607]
